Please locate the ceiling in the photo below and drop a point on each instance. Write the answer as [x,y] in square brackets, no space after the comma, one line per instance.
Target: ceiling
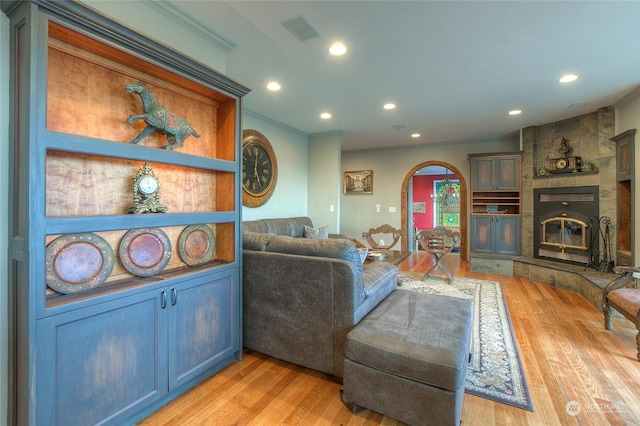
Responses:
[453,68]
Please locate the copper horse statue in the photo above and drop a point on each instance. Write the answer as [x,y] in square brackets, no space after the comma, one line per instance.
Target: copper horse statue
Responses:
[158,119]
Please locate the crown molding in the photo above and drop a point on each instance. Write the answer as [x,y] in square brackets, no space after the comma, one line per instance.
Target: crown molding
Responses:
[274,122]
[192,24]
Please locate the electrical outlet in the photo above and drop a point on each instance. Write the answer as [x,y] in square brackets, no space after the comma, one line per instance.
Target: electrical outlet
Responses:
[377,208]
[331,208]
[392,209]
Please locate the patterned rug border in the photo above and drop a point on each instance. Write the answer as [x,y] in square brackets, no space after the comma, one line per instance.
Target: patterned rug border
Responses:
[521,397]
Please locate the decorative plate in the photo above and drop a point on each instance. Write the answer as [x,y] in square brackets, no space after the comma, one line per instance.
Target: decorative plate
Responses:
[196,244]
[78,262]
[145,251]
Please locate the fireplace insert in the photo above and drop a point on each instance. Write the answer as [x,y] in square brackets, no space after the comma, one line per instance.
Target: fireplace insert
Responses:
[562,221]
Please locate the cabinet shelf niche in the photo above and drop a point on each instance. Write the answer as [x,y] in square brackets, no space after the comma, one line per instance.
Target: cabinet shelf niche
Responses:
[121,279]
[91,185]
[97,90]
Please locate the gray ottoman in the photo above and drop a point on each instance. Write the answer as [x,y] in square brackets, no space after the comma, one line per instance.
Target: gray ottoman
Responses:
[407,359]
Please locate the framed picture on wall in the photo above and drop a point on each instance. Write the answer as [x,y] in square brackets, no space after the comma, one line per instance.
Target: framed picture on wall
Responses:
[419,207]
[358,182]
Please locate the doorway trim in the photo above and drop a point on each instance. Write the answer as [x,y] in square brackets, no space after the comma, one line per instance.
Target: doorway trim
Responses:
[404,195]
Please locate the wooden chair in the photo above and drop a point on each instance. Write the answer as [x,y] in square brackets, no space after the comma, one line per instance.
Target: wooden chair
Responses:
[434,242]
[625,299]
[384,229]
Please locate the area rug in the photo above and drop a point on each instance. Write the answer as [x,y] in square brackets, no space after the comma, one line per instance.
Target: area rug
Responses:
[495,370]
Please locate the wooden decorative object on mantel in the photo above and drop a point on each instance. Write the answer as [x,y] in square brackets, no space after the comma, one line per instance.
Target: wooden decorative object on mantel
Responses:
[565,165]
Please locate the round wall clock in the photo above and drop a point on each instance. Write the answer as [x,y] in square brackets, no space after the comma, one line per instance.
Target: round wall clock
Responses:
[259,169]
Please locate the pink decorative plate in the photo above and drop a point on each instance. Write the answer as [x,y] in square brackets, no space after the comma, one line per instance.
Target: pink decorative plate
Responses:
[145,251]
[197,244]
[78,262]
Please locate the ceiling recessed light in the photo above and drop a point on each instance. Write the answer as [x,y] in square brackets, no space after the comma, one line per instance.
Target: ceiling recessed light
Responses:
[338,48]
[568,78]
[389,106]
[273,86]
[325,116]
[515,112]
[415,135]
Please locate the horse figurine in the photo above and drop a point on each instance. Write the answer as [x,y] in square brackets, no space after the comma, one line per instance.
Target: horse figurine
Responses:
[158,119]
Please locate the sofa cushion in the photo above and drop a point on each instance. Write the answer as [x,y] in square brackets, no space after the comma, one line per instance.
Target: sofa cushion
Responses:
[316,233]
[291,226]
[333,248]
[255,241]
[378,274]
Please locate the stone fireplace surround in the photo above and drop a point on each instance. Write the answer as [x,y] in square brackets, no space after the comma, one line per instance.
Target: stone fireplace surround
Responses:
[589,136]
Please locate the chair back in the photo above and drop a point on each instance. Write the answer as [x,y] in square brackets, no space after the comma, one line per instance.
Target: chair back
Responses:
[383,229]
[436,239]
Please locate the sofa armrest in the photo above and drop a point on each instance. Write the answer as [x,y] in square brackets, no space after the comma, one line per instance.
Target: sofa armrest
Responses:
[290,303]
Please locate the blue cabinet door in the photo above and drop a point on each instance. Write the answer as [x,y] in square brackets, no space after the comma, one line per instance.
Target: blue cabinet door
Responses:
[507,171]
[508,235]
[204,326]
[482,234]
[483,174]
[101,364]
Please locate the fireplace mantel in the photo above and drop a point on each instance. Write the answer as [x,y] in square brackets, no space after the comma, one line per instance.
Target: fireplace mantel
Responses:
[575,174]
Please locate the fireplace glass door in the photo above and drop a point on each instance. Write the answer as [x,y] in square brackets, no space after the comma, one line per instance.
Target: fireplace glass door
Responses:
[564,233]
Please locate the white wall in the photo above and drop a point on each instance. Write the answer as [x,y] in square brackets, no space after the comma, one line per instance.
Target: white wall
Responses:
[4,213]
[628,117]
[291,148]
[390,167]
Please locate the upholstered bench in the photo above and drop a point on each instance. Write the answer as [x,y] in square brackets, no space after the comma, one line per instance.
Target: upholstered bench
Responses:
[407,359]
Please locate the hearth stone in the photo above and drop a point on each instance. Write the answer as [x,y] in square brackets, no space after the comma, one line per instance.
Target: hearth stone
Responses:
[492,265]
[588,283]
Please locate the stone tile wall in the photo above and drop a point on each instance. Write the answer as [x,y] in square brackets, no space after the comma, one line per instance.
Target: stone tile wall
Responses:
[589,136]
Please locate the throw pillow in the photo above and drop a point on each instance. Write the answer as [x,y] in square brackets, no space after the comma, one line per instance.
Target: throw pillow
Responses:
[363,252]
[316,234]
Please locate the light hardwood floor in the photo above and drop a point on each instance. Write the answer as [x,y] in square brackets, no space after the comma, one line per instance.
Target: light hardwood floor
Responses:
[570,360]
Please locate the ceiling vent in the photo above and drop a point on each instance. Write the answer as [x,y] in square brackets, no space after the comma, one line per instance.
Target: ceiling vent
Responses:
[399,126]
[301,28]
[577,105]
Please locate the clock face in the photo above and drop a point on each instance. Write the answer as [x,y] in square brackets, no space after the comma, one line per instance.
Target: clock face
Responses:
[148,185]
[561,163]
[259,169]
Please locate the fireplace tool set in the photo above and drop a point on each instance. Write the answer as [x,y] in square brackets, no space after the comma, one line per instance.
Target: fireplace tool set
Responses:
[600,227]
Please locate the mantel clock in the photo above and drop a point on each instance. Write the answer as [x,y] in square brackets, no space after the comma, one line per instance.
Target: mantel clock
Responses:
[146,192]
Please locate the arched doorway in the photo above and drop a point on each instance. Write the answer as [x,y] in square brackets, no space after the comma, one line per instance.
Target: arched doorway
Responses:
[405,208]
